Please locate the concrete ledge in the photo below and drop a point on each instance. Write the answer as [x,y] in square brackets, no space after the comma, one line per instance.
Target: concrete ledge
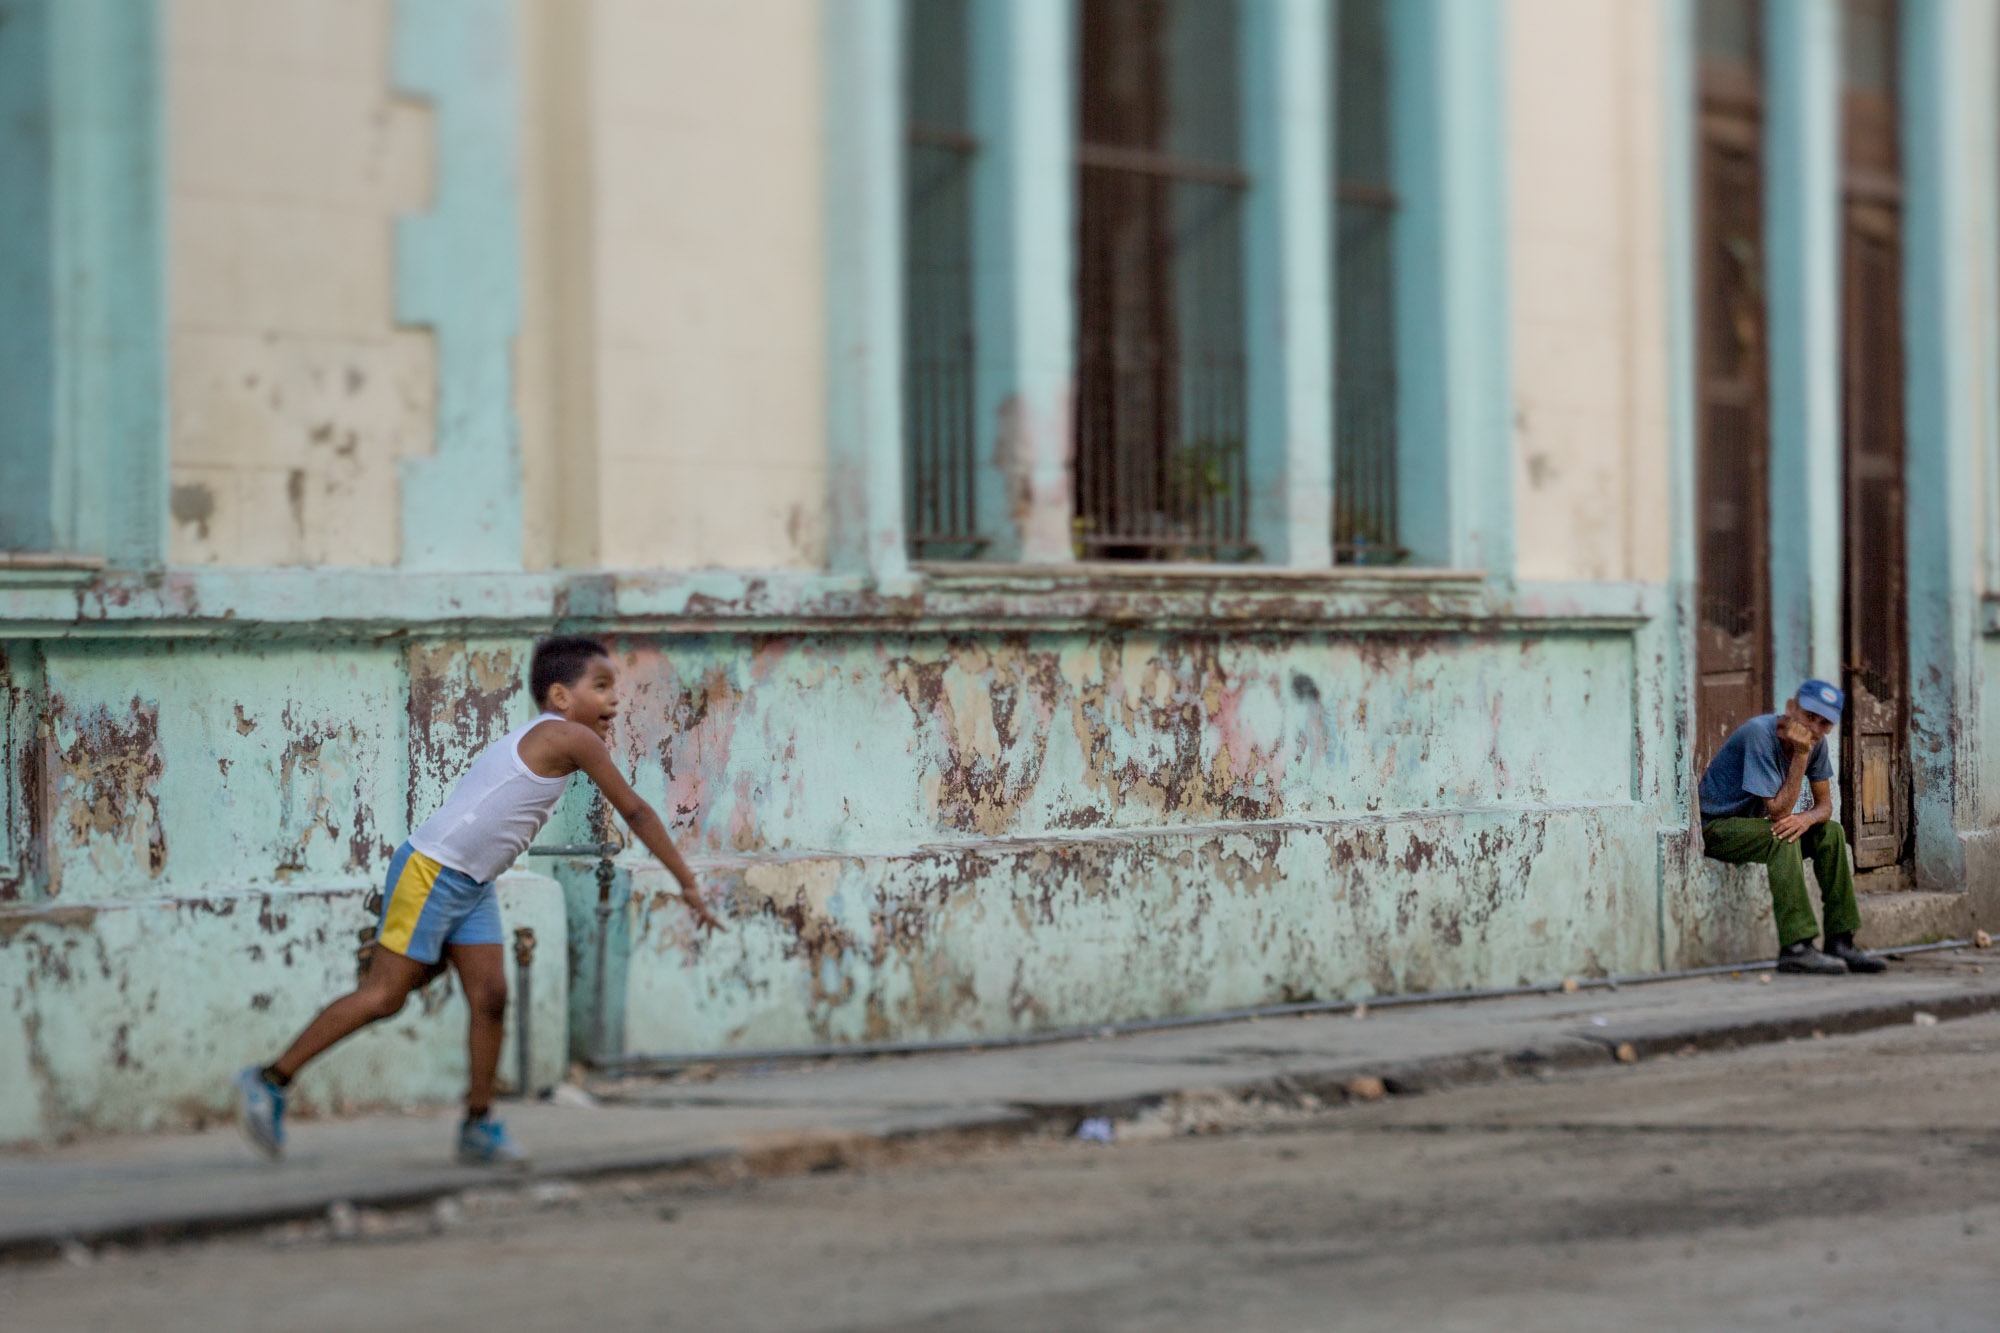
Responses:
[1725,915]
[998,936]
[335,603]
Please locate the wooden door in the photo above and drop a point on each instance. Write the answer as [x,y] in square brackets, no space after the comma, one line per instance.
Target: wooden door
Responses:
[1875,777]
[1875,749]
[1733,616]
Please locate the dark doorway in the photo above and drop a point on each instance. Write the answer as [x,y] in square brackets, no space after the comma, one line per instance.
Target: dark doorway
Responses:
[1875,749]
[1733,616]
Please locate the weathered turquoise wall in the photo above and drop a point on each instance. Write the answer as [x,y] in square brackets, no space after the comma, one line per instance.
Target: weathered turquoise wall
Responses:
[215,817]
[132,1014]
[997,804]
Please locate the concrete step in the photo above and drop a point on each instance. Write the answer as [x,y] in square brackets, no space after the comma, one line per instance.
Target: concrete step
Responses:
[1912,917]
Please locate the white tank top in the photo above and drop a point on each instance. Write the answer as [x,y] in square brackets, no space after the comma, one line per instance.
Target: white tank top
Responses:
[494,812]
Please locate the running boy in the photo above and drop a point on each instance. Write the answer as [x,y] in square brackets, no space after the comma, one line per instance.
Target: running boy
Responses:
[439,904]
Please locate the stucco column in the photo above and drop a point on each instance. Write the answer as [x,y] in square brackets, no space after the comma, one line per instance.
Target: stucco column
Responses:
[458,273]
[1455,393]
[1947,77]
[1802,285]
[864,187]
[1024,208]
[1288,92]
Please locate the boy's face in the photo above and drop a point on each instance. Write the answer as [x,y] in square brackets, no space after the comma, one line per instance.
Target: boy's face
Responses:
[592,700]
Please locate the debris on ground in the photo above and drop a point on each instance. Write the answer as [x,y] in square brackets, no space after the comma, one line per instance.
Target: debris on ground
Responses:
[1763,978]
[343,1219]
[1569,985]
[1627,1053]
[1981,940]
[1095,1129]
[1923,1019]
[569,1094]
[554,1194]
[1367,1088]
[1220,1111]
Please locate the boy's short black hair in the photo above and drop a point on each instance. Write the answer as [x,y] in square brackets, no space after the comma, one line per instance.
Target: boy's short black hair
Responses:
[561,660]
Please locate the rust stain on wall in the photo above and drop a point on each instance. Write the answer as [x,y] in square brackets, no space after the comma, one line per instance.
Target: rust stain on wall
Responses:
[111,777]
[460,699]
[800,894]
[1171,738]
[986,710]
[58,918]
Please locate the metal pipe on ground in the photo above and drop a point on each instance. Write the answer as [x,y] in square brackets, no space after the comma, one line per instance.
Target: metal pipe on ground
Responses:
[641,1064]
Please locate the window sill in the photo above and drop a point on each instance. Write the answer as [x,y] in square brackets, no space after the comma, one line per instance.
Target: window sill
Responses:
[1129,573]
[949,599]
[36,569]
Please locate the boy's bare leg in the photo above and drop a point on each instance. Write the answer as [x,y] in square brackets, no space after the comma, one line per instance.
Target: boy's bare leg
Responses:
[482,974]
[391,977]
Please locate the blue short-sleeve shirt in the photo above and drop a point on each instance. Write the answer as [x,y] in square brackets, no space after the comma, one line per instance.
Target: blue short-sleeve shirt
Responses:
[1750,768]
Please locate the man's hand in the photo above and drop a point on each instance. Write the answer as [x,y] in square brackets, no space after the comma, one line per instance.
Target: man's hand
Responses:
[1791,828]
[698,906]
[1795,735]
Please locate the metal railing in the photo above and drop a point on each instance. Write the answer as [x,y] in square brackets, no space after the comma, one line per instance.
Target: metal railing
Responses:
[1365,478]
[1160,465]
[938,331]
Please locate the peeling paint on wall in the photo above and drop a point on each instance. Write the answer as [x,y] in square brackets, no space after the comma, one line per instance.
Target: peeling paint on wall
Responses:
[758,744]
[461,699]
[1024,934]
[109,779]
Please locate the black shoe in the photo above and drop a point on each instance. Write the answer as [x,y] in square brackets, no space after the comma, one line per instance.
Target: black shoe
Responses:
[1857,960]
[1802,957]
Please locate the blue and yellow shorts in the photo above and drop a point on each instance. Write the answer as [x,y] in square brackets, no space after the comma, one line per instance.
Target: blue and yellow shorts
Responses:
[426,906]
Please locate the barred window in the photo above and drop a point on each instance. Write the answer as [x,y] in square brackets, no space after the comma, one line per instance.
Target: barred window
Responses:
[938,312]
[1364,411]
[28,332]
[1160,470]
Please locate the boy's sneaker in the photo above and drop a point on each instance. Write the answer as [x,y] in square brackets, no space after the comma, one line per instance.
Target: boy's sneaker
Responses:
[1802,957]
[260,1110]
[484,1142]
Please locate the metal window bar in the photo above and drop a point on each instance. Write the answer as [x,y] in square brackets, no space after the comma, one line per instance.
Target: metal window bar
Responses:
[1160,471]
[1365,482]
[938,347]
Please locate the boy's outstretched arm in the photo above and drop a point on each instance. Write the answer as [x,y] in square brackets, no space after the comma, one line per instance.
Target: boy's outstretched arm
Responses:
[588,753]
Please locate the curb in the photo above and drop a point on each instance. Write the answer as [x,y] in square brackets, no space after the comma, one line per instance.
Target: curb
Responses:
[835,1150]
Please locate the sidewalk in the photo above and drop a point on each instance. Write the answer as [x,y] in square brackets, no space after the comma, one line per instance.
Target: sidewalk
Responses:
[169,1185]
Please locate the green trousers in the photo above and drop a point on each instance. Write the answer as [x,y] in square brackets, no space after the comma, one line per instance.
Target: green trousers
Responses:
[1749,841]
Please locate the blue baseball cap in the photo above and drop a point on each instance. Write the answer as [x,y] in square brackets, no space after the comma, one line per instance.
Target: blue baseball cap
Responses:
[1816,696]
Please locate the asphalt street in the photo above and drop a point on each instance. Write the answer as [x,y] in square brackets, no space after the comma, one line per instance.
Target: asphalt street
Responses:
[1840,1183]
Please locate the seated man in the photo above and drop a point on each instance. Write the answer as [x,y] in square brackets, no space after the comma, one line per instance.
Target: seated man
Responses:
[1750,812]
